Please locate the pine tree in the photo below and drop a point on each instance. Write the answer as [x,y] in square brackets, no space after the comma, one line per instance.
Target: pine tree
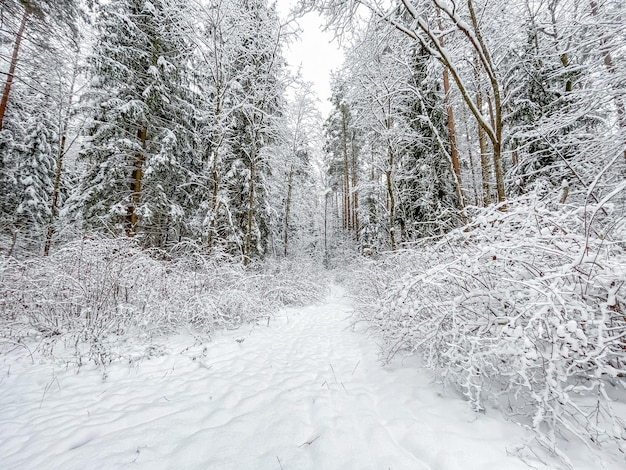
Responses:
[28,173]
[140,149]
[36,173]
[38,20]
[342,151]
[35,36]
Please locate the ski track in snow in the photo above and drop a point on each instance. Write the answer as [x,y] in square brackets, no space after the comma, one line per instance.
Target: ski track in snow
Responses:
[305,392]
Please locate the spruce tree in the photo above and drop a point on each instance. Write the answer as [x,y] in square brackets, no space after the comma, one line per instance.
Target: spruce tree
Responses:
[427,202]
[140,148]
[36,171]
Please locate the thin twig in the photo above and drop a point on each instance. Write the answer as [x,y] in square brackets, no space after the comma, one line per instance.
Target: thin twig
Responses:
[331,368]
[308,443]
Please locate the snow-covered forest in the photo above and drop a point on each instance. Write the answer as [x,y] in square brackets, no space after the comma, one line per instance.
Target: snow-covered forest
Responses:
[455,227]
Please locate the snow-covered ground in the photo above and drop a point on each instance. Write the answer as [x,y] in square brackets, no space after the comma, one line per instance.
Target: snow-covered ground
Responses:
[304,392]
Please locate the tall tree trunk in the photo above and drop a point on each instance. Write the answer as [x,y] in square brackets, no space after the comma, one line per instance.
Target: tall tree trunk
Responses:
[496,120]
[54,209]
[248,241]
[287,208]
[136,180]
[355,195]
[135,183]
[454,154]
[326,228]
[11,74]
[346,172]
[216,142]
[484,166]
[344,198]
[214,201]
[499,172]
[484,160]
[475,40]
[392,202]
[471,159]
[495,111]
[337,211]
[566,63]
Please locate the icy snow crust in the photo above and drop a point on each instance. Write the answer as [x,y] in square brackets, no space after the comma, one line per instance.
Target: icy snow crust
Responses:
[304,392]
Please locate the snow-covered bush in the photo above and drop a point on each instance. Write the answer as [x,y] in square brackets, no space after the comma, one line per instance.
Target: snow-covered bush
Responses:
[94,294]
[290,281]
[523,308]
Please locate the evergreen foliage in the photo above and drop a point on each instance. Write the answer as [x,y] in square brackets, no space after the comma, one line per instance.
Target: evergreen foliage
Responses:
[140,143]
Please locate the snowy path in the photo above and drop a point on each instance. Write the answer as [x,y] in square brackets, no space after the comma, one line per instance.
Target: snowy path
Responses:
[304,393]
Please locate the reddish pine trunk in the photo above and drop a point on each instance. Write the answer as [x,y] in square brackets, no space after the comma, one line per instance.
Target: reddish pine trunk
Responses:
[454,154]
[135,185]
[9,82]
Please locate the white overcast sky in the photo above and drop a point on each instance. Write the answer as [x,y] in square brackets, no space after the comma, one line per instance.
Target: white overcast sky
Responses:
[316,53]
